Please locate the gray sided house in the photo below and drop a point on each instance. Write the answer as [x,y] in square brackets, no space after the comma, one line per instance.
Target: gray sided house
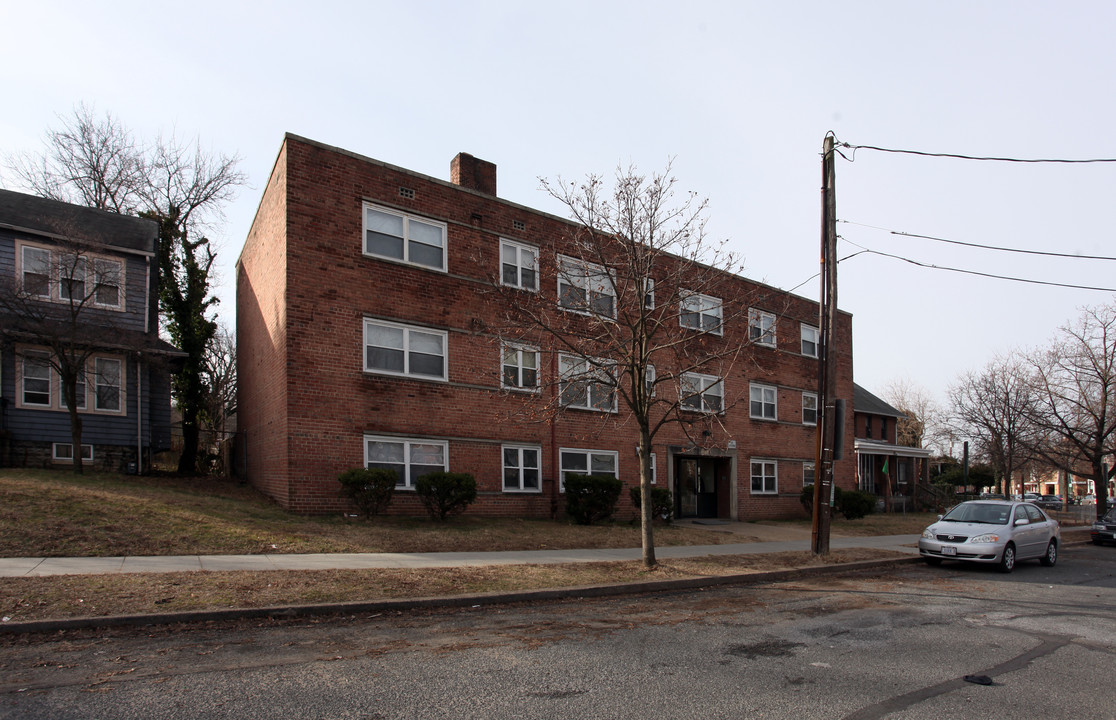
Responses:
[80,283]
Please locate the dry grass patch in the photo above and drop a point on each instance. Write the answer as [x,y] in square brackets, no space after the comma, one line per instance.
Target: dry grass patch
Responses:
[59,514]
[58,597]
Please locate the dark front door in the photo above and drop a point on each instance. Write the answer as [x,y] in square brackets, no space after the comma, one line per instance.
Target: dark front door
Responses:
[697,487]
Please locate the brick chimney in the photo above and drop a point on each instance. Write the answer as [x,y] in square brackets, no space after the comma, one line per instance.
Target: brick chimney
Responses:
[470,172]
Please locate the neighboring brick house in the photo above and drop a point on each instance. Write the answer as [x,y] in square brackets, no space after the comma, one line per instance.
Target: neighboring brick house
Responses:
[364,292]
[885,469]
[86,278]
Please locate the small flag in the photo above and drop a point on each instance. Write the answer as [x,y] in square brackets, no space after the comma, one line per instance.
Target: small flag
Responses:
[885,465]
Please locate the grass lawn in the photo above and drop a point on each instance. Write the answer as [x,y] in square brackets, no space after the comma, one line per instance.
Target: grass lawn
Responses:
[48,513]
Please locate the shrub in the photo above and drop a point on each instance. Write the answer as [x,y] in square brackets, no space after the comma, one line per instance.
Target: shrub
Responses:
[444,493]
[662,503]
[591,497]
[370,489]
[854,504]
[807,499]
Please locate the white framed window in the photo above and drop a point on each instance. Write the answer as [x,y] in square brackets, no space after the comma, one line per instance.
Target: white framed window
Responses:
[64,452]
[35,269]
[810,340]
[408,458]
[585,287]
[394,349]
[765,478]
[107,278]
[701,312]
[35,376]
[587,462]
[807,474]
[762,402]
[106,384]
[761,327]
[520,368]
[399,236]
[649,380]
[519,265]
[77,278]
[585,385]
[702,393]
[522,468]
[80,389]
[648,285]
[809,408]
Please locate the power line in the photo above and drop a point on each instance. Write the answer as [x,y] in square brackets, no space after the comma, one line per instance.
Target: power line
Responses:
[970,272]
[958,156]
[983,247]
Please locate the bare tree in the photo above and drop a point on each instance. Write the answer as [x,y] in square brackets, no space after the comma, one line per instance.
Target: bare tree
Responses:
[46,313]
[994,408]
[921,424]
[1074,407]
[644,308]
[219,380]
[96,162]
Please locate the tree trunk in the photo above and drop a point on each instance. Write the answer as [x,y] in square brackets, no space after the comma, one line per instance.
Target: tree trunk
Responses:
[646,514]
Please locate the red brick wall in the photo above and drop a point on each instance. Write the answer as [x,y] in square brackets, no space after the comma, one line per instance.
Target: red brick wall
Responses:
[306,288]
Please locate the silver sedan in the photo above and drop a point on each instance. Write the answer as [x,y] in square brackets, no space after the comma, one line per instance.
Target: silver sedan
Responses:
[992,531]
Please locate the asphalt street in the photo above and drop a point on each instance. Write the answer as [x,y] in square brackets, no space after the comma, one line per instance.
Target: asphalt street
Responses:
[895,644]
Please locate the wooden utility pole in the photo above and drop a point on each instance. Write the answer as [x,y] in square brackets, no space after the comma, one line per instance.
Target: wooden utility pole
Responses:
[827,356]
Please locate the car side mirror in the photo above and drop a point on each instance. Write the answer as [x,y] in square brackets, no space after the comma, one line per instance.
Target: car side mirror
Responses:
[1022,521]
[939,517]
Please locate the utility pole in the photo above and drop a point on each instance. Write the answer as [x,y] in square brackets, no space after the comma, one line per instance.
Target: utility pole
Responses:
[827,356]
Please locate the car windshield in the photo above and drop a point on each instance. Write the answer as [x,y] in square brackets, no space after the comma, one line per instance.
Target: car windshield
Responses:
[1110,516]
[979,513]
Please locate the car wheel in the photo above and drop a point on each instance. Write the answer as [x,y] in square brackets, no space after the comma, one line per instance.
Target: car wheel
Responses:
[1007,560]
[1051,555]
[932,561]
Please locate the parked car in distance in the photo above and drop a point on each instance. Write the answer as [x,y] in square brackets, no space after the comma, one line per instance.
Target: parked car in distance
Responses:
[999,532]
[991,496]
[1050,502]
[1104,530]
[1031,497]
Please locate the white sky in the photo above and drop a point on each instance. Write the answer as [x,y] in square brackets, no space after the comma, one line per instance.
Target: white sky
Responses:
[741,94]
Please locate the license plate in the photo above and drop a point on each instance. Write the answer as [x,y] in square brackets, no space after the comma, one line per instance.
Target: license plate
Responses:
[949,551]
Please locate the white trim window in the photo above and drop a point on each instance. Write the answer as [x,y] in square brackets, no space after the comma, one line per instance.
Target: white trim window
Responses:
[809,408]
[520,368]
[762,403]
[649,380]
[393,349]
[522,468]
[648,286]
[585,384]
[761,327]
[398,236]
[35,271]
[64,452]
[66,277]
[587,462]
[701,312]
[80,389]
[408,458]
[519,265]
[106,384]
[807,474]
[765,477]
[35,378]
[811,340]
[702,393]
[584,287]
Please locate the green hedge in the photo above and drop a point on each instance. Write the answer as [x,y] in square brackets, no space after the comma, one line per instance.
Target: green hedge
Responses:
[662,502]
[590,498]
[444,493]
[370,489]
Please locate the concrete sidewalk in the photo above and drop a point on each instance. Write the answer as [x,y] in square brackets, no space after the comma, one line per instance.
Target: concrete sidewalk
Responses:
[39,567]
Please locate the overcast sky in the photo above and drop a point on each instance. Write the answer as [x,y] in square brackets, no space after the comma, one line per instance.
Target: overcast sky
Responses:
[740,94]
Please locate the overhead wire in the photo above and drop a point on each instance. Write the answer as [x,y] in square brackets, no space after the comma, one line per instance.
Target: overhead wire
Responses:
[959,156]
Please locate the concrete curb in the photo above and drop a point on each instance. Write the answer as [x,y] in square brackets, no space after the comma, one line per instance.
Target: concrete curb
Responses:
[451,601]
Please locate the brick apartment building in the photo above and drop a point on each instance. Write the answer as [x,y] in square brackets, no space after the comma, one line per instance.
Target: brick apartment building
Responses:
[364,306]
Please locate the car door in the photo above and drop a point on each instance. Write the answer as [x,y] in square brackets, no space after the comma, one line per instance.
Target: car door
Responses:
[1040,527]
[1022,532]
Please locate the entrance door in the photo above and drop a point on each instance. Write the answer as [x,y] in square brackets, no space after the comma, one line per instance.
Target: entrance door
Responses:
[697,487]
